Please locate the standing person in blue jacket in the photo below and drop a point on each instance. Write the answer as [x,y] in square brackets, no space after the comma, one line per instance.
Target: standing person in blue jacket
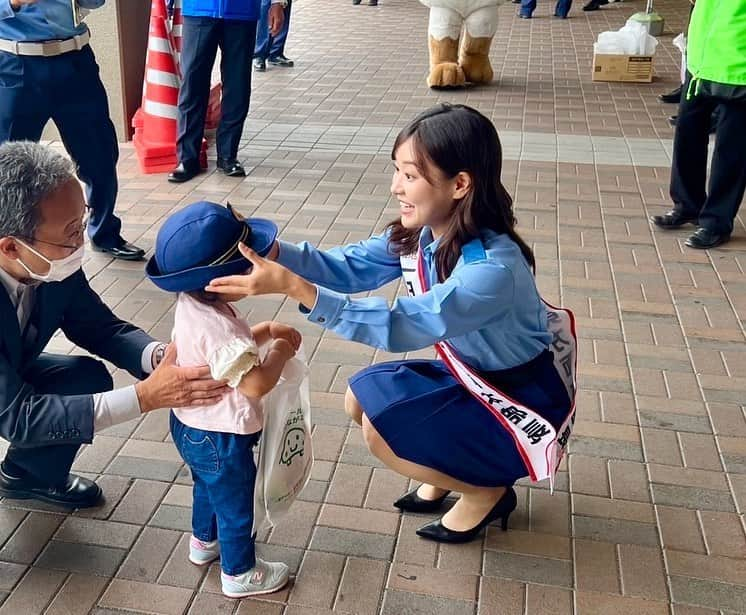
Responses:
[209,24]
[48,71]
[271,49]
[479,296]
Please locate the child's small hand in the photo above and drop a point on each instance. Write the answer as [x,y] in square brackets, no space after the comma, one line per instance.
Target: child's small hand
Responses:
[278,331]
[284,347]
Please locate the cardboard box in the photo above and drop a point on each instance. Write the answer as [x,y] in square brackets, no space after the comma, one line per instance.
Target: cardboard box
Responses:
[612,67]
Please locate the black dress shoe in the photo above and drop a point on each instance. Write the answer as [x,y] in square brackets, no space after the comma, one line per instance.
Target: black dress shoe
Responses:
[673,219]
[440,533]
[124,251]
[411,502]
[232,168]
[260,64]
[76,492]
[356,2]
[672,97]
[281,60]
[183,173]
[704,239]
[594,5]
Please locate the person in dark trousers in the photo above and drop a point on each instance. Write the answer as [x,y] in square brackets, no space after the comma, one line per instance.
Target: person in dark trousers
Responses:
[52,404]
[231,26]
[561,9]
[48,71]
[716,78]
[271,49]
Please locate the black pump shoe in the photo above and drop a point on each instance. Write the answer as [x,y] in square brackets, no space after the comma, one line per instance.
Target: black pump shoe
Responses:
[440,533]
[411,502]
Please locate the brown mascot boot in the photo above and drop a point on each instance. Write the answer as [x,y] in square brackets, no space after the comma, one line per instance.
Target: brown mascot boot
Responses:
[444,69]
[475,59]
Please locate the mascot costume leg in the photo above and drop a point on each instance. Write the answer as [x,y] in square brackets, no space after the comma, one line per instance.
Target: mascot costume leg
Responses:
[460,33]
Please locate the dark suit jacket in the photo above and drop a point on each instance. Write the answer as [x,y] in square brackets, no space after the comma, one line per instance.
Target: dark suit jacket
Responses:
[29,419]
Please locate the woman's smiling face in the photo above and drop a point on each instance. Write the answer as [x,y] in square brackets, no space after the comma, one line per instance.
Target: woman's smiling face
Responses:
[421,202]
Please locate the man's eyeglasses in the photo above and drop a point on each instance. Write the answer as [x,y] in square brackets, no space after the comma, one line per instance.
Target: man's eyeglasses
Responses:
[77,236]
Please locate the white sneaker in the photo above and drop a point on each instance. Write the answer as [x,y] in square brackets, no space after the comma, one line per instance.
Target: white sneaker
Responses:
[263,578]
[202,553]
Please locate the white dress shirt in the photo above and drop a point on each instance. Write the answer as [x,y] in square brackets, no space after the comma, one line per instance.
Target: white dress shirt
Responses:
[109,408]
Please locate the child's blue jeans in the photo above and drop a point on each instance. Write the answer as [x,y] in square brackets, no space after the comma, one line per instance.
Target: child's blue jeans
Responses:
[223,470]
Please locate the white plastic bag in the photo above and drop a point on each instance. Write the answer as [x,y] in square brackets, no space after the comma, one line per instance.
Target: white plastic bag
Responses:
[632,39]
[680,43]
[285,448]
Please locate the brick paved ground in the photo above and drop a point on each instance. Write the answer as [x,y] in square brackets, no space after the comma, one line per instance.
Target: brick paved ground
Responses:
[649,515]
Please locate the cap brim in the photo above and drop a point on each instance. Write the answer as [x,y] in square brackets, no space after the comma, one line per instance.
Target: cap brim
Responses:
[263,235]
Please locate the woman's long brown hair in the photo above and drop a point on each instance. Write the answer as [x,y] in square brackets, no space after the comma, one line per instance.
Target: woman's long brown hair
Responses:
[452,139]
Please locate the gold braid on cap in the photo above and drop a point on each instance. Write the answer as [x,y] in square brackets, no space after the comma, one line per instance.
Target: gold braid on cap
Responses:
[226,256]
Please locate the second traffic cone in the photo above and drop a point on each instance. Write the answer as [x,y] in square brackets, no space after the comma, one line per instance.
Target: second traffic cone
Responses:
[212,119]
[177,23]
[155,140]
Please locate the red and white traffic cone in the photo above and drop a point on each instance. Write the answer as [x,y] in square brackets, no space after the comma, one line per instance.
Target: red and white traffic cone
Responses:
[155,139]
[212,119]
[177,23]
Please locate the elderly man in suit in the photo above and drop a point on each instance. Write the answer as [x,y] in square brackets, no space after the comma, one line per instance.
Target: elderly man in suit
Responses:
[51,404]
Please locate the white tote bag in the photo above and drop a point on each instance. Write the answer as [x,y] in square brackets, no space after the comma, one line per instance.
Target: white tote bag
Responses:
[285,449]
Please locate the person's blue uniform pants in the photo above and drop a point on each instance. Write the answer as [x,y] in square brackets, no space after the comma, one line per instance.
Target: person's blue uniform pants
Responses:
[268,46]
[67,89]
[61,375]
[561,9]
[202,37]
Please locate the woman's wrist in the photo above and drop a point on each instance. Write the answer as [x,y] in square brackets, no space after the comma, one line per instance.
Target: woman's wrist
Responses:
[302,291]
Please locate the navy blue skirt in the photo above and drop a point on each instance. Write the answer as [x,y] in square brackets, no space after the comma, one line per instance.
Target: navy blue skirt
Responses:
[426,416]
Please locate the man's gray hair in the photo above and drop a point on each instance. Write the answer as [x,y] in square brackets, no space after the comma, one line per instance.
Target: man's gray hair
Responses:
[29,173]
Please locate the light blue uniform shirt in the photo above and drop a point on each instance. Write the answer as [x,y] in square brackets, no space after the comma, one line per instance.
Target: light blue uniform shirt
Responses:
[489,310]
[46,20]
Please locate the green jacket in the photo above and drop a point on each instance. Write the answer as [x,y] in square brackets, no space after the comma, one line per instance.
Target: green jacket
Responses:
[716,43]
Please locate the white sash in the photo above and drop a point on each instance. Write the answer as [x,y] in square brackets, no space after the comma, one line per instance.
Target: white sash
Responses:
[540,446]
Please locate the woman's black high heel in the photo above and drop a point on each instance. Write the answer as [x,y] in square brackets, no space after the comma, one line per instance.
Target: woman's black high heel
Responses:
[411,502]
[440,533]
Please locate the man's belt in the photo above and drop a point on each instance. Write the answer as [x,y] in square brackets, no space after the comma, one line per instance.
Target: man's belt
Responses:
[46,48]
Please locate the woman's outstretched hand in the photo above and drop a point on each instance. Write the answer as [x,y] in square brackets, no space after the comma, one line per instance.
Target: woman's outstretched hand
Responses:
[266,277]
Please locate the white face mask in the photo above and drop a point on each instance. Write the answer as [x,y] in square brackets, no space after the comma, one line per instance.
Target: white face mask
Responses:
[59,269]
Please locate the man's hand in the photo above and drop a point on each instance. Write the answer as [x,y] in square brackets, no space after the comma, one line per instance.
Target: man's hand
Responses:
[171,386]
[276,18]
[17,4]
[278,331]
